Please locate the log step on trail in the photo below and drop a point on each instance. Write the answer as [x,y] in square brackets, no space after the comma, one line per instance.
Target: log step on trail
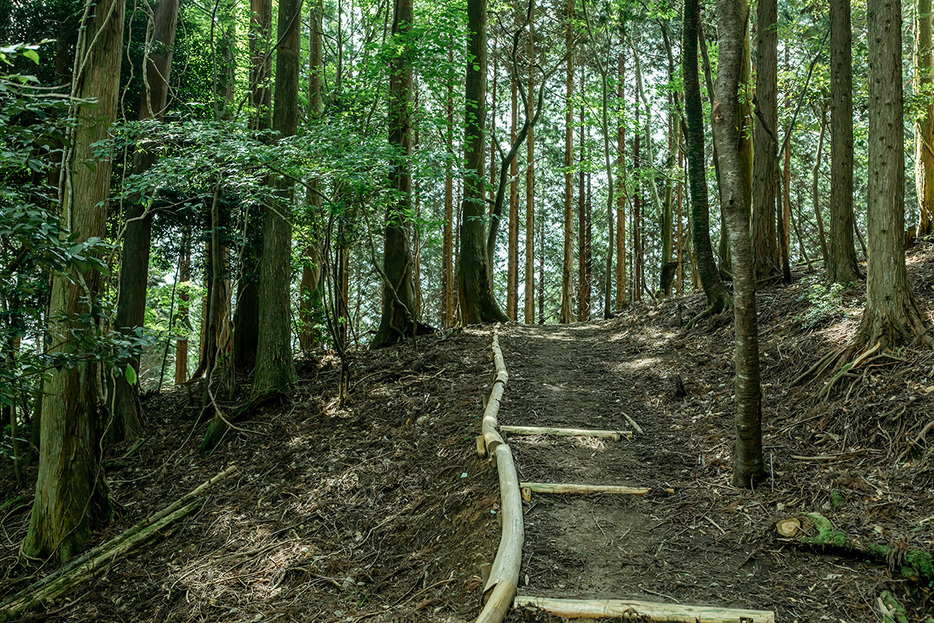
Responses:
[615,435]
[583,608]
[549,487]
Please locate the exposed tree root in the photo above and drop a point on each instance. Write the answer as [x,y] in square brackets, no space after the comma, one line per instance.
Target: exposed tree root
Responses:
[711,310]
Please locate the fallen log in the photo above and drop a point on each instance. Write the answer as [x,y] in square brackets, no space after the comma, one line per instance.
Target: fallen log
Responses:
[548,487]
[591,609]
[816,530]
[56,584]
[615,435]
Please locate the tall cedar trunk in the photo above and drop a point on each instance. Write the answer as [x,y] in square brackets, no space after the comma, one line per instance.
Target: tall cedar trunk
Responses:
[621,284]
[447,247]
[924,125]
[474,283]
[567,313]
[275,368]
[892,315]
[669,266]
[530,184]
[815,188]
[134,269]
[637,272]
[764,197]
[512,291]
[215,333]
[311,290]
[246,313]
[717,296]
[842,266]
[679,200]
[583,224]
[748,465]
[184,276]
[398,319]
[603,66]
[70,491]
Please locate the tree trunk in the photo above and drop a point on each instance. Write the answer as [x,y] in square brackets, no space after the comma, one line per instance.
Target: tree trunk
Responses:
[530,184]
[447,246]
[621,284]
[636,215]
[748,465]
[275,368]
[764,197]
[842,266]
[246,313]
[475,292]
[512,290]
[892,316]
[567,314]
[311,291]
[924,124]
[718,298]
[399,319]
[815,187]
[71,493]
[184,276]
[583,223]
[134,269]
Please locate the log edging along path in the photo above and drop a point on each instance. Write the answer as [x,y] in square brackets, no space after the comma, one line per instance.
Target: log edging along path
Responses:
[501,587]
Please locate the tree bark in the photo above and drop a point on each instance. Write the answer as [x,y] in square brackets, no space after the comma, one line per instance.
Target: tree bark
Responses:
[583,222]
[246,313]
[815,187]
[447,246]
[748,465]
[71,493]
[311,290]
[718,298]
[530,184]
[474,283]
[924,124]
[275,368]
[842,265]
[621,284]
[512,291]
[892,315]
[567,313]
[134,268]
[184,276]
[399,317]
[764,197]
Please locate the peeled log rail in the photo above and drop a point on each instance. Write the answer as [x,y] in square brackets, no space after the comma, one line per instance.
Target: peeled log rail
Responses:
[547,487]
[59,582]
[615,435]
[579,608]
[501,586]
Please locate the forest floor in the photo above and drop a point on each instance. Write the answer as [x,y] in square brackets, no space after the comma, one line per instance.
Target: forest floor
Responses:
[380,509]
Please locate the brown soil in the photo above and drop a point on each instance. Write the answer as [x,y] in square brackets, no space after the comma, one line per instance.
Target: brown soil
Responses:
[381,510]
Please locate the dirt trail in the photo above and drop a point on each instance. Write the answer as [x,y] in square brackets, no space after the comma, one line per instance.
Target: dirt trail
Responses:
[692,539]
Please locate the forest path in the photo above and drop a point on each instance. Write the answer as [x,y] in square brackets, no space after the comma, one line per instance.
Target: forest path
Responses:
[581,376]
[655,547]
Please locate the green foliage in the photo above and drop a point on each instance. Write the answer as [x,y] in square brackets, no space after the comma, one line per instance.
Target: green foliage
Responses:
[826,304]
[34,246]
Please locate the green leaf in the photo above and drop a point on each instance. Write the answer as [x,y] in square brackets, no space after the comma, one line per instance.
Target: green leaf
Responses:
[130,375]
[31,55]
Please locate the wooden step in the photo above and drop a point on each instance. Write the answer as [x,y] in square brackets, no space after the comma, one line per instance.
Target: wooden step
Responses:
[596,608]
[615,435]
[547,487]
